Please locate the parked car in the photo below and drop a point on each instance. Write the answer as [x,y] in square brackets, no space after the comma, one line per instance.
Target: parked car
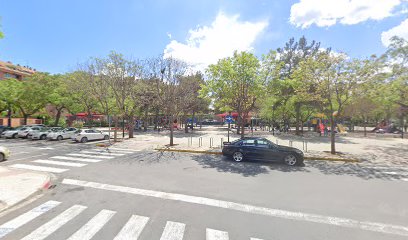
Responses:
[25,131]
[33,129]
[40,134]
[85,135]
[66,133]
[5,128]
[13,133]
[256,148]
[4,153]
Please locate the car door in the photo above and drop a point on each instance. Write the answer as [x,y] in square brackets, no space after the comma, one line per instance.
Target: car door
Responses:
[249,150]
[271,152]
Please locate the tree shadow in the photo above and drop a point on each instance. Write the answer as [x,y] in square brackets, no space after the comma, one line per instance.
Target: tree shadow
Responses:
[388,154]
[363,171]
[246,169]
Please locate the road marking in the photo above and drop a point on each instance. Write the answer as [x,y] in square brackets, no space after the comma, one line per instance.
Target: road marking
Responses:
[46,148]
[103,153]
[19,221]
[54,224]
[38,168]
[212,234]
[299,216]
[256,239]
[69,164]
[124,149]
[76,159]
[25,158]
[173,231]
[87,155]
[87,231]
[133,228]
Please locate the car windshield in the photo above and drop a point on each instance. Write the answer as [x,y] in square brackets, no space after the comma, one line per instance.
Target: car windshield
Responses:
[44,130]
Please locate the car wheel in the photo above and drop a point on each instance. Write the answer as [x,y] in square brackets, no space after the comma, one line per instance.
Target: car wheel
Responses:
[59,138]
[14,135]
[106,137]
[290,160]
[1,157]
[43,137]
[84,140]
[238,156]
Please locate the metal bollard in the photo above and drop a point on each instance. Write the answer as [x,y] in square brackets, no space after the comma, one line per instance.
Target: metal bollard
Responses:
[210,142]
[277,143]
[306,146]
[303,146]
[222,140]
[200,141]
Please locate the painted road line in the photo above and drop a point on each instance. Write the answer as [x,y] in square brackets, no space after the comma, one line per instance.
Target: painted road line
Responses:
[60,163]
[54,224]
[124,149]
[87,231]
[76,159]
[38,168]
[212,234]
[19,221]
[133,228]
[256,239]
[87,155]
[299,216]
[173,231]
[46,148]
[103,153]
[25,158]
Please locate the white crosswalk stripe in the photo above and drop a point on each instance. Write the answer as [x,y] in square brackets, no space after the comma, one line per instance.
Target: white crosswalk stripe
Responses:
[133,228]
[103,153]
[173,231]
[69,164]
[88,155]
[19,221]
[212,234]
[38,168]
[76,159]
[87,231]
[54,224]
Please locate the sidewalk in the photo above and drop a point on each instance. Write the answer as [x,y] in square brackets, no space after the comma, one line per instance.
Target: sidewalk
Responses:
[370,149]
[17,186]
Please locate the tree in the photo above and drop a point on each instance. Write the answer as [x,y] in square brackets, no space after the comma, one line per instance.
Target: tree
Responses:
[167,74]
[291,56]
[333,80]
[235,84]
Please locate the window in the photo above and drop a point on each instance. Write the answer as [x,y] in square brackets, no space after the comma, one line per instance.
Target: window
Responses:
[249,142]
[8,75]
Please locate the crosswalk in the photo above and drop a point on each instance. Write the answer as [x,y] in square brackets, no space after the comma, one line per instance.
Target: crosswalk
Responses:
[60,164]
[131,228]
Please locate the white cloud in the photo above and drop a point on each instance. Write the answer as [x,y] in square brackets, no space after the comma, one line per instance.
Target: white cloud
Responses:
[205,45]
[400,31]
[326,13]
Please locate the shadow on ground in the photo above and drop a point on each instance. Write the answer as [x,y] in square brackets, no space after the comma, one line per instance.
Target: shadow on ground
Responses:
[246,169]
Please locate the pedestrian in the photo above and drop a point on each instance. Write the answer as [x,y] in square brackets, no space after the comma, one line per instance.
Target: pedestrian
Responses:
[326,131]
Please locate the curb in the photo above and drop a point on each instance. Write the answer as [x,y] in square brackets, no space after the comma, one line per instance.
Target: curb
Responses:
[44,187]
[220,153]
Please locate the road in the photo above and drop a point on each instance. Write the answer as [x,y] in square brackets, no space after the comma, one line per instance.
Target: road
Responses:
[151,195]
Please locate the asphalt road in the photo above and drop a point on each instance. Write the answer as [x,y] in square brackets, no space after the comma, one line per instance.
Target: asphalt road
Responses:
[169,195]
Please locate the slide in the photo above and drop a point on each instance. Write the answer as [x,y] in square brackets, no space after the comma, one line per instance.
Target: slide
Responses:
[341,128]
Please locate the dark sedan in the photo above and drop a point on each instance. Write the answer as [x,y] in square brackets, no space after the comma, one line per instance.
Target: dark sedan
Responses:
[261,149]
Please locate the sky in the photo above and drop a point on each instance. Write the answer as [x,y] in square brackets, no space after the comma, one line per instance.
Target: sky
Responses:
[55,36]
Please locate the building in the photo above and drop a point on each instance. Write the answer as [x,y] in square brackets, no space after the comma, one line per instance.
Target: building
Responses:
[9,70]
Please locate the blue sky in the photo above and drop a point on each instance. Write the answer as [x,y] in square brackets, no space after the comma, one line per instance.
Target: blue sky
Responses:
[54,36]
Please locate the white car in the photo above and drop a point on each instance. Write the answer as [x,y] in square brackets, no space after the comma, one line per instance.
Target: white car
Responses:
[34,129]
[66,133]
[25,131]
[86,135]
[11,133]
[4,153]
[40,134]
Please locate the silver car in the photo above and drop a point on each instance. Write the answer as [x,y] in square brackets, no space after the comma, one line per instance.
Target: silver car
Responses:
[66,133]
[34,129]
[86,135]
[11,133]
[40,134]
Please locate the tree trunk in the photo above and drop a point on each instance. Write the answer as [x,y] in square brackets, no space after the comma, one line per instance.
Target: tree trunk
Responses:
[145,120]
[192,121]
[25,118]
[332,135]
[115,133]
[186,126]
[242,127]
[365,127]
[9,116]
[131,123]
[58,116]
[171,130]
[297,109]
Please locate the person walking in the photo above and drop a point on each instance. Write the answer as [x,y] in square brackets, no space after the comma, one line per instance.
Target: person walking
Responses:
[326,131]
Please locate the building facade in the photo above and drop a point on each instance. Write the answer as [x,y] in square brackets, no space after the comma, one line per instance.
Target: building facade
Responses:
[9,70]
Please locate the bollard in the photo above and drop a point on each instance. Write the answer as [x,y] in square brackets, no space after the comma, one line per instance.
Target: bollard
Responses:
[200,139]
[277,143]
[303,146]
[222,140]
[306,146]
[210,142]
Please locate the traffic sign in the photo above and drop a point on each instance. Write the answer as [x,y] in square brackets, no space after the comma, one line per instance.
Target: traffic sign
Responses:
[229,119]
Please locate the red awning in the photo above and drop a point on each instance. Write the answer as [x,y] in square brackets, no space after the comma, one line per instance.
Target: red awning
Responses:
[223,115]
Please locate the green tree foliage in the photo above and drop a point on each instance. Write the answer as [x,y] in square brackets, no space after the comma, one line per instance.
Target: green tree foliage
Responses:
[235,84]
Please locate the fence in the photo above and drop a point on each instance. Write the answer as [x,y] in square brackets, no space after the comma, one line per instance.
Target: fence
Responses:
[211,143]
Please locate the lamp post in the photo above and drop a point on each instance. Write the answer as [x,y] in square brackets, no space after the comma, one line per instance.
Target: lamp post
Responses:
[9,116]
